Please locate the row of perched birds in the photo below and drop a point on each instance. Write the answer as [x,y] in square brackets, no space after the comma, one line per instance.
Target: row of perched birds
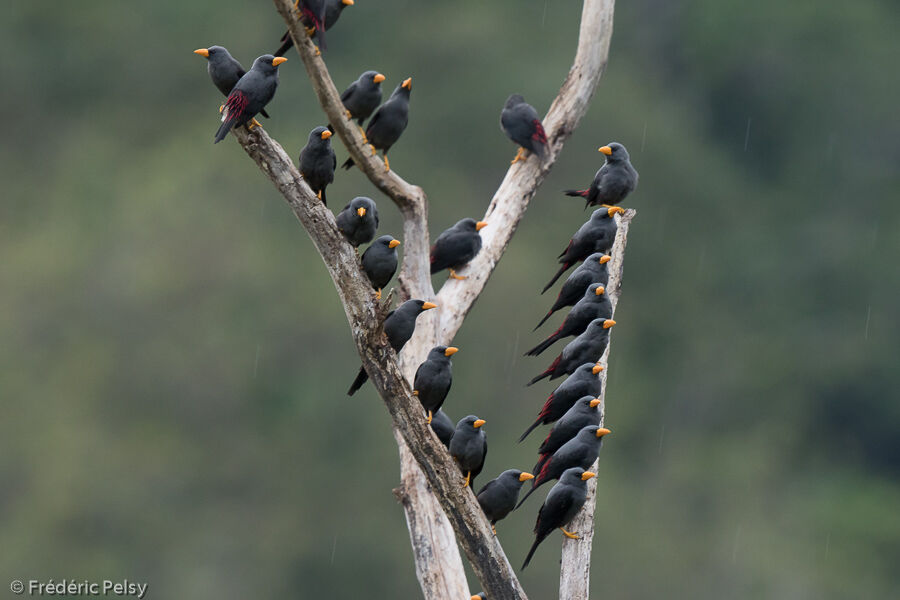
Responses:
[574,442]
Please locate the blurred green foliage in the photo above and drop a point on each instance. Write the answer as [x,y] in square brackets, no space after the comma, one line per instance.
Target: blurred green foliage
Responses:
[174,357]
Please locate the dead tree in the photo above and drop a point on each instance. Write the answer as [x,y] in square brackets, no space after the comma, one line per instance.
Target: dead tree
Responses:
[442,516]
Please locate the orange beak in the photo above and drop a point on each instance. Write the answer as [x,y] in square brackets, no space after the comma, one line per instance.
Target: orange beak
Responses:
[605,259]
[480,225]
[326,134]
[347,2]
[478,423]
[595,402]
[202,52]
[393,243]
[361,211]
[525,476]
[605,150]
[451,351]
[599,291]
[407,83]
[428,305]
[278,60]
[601,431]
[379,78]
[587,475]
[608,323]
[597,368]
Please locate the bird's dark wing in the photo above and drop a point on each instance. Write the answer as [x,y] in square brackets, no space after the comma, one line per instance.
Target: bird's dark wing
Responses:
[348,92]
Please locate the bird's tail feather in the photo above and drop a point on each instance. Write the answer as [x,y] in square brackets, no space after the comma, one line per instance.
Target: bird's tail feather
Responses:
[348,164]
[286,43]
[543,345]
[525,497]
[582,193]
[559,273]
[544,320]
[224,128]
[530,429]
[548,372]
[537,542]
[361,378]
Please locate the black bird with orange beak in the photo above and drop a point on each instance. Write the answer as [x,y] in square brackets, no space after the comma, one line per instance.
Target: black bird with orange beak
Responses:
[521,123]
[380,261]
[318,161]
[613,182]
[587,347]
[399,326]
[581,451]
[592,270]
[363,96]
[468,447]
[358,221]
[433,378]
[583,413]
[498,496]
[456,246]
[224,70]
[333,10]
[250,95]
[594,304]
[596,235]
[560,507]
[585,381]
[388,123]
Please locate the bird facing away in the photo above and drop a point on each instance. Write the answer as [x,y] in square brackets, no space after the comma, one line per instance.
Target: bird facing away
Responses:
[358,221]
[388,123]
[560,507]
[596,235]
[433,378]
[456,246]
[613,182]
[380,261]
[592,270]
[580,451]
[363,96]
[520,122]
[498,496]
[224,70]
[594,304]
[468,447]
[443,427]
[317,161]
[583,413]
[399,326]
[587,347]
[250,94]
[583,382]
[333,10]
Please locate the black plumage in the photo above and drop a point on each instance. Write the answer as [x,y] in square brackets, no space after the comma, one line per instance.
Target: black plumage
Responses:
[388,122]
[498,496]
[592,270]
[468,447]
[613,182]
[583,382]
[399,326]
[433,378]
[443,427]
[594,304]
[583,413]
[224,70]
[363,96]
[380,261]
[596,235]
[456,246]
[587,347]
[317,161]
[580,451]
[250,94]
[333,10]
[521,123]
[560,507]
[358,221]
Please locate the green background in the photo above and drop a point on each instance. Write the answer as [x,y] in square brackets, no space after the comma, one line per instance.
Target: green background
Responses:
[174,357]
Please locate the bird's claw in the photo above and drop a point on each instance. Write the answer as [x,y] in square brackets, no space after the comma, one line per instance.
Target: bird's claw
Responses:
[378,294]
[520,155]
[453,275]
[387,164]
[468,477]
[570,535]
[494,529]
[253,123]
[374,151]
[430,415]
[221,108]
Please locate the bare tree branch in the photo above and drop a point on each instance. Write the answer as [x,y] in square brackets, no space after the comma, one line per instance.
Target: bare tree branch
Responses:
[575,572]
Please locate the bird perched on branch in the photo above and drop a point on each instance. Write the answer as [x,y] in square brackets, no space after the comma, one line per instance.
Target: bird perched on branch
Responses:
[520,122]
[333,10]
[224,70]
[433,378]
[613,182]
[379,262]
[399,326]
[583,382]
[498,496]
[587,347]
[443,427]
[592,270]
[468,447]
[358,221]
[250,94]
[580,451]
[594,304]
[388,123]
[560,507]
[363,96]
[317,161]
[596,235]
[583,413]
[456,246]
